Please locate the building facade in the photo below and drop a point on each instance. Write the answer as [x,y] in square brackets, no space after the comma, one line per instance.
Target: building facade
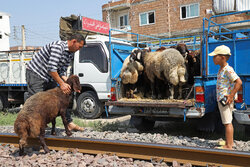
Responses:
[4,31]
[169,18]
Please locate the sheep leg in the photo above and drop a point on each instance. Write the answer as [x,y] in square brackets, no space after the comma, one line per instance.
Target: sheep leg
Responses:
[181,73]
[153,90]
[22,143]
[65,123]
[53,130]
[129,91]
[180,92]
[127,88]
[158,87]
[171,88]
[41,137]
[167,91]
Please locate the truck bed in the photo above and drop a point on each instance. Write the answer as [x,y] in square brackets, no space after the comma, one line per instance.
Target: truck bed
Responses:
[124,102]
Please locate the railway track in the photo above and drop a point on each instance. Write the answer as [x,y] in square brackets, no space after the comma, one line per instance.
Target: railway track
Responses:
[136,150]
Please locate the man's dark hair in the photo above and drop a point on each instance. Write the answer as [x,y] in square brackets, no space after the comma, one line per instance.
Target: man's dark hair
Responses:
[79,37]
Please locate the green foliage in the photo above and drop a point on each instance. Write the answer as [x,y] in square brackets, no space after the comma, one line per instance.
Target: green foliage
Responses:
[7,119]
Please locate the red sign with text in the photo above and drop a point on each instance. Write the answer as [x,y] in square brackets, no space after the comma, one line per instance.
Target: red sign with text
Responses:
[95,25]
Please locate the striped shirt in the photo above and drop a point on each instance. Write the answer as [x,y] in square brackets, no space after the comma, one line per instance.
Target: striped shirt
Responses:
[53,57]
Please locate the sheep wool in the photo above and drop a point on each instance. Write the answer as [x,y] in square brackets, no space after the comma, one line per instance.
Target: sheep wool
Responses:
[169,62]
[130,71]
[164,64]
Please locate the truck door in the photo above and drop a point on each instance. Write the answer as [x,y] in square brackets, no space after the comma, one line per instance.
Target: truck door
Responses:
[92,68]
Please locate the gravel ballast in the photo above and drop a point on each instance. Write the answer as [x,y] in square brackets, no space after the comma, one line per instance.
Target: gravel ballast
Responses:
[9,154]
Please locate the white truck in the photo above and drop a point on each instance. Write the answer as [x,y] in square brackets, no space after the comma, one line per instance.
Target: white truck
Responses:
[91,64]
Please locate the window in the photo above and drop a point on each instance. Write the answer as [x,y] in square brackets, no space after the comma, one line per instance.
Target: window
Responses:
[147,18]
[0,36]
[94,53]
[1,17]
[123,21]
[190,11]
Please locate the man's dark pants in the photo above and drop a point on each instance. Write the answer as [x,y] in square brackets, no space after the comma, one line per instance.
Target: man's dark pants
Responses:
[36,84]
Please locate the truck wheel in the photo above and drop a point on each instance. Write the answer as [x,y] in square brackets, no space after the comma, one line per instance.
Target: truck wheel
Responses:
[3,101]
[211,122]
[142,123]
[247,130]
[88,105]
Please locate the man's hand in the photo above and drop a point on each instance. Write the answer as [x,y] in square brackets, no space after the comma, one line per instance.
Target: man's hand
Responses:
[65,88]
[61,81]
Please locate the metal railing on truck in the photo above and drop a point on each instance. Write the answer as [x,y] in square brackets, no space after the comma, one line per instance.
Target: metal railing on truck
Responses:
[238,40]
[119,51]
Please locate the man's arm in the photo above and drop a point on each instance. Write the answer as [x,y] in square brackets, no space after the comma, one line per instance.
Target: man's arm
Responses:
[64,78]
[237,86]
[63,86]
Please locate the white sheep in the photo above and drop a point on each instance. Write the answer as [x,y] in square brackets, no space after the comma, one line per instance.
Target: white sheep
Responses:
[129,75]
[167,65]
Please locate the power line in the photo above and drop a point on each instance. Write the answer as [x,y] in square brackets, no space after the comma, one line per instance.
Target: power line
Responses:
[38,34]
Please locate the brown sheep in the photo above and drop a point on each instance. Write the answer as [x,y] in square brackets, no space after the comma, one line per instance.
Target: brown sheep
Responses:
[41,109]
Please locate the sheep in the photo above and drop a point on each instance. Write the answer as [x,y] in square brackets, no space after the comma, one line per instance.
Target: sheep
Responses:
[159,85]
[193,66]
[192,60]
[167,65]
[129,75]
[182,48]
[41,109]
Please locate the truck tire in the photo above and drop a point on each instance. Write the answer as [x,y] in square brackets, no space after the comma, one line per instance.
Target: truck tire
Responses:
[247,130]
[142,123]
[88,105]
[211,122]
[3,101]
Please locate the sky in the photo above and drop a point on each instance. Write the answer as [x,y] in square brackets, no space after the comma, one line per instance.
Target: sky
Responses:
[41,17]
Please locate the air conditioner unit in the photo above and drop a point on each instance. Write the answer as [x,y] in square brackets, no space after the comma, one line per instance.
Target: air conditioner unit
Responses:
[209,11]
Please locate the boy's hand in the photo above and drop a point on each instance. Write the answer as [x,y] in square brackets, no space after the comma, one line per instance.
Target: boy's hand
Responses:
[230,99]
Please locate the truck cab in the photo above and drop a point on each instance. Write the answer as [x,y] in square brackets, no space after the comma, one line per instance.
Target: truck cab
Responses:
[93,66]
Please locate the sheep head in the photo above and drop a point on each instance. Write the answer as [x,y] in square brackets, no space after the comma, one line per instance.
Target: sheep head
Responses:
[135,55]
[182,48]
[74,83]
[138,54]
[160,49]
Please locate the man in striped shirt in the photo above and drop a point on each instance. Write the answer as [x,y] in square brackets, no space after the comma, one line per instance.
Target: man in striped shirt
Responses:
[48,68]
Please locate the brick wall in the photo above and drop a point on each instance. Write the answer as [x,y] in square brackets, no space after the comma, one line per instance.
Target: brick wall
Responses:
[186,25]
[168,19]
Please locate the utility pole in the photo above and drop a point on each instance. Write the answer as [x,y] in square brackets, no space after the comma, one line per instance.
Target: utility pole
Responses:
[23,38]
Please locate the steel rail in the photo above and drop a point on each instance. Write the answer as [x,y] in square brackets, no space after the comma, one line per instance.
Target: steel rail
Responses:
[138,150]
